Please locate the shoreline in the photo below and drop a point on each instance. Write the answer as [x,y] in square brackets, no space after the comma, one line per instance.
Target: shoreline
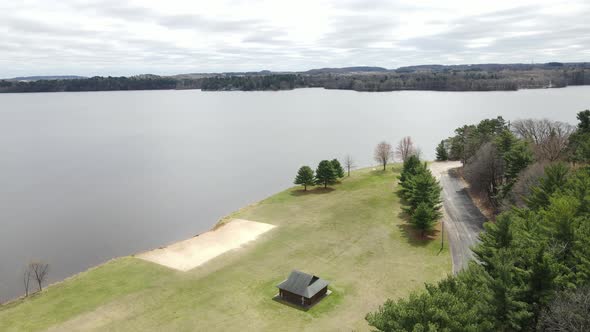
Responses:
[191,253]
[310,237]
[221,222]
[216,226]
[299,88]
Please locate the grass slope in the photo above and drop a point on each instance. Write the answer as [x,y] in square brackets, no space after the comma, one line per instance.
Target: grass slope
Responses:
[351,236]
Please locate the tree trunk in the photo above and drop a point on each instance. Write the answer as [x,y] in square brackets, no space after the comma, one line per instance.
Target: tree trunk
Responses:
[304,187]
[384,164]
[326,185]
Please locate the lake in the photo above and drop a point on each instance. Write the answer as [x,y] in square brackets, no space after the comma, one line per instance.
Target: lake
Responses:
[88,176]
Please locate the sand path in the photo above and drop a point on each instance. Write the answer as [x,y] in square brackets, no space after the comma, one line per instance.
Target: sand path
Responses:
[188,254]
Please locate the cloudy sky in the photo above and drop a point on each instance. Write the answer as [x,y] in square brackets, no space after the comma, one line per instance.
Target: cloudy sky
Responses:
[123,37]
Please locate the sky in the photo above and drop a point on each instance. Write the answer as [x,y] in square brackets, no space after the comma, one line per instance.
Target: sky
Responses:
[123,37]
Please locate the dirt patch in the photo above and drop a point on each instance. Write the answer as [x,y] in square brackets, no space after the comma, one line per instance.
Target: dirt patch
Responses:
[188,254]
[441,167]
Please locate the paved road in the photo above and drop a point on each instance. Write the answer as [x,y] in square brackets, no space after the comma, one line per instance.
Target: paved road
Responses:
[462,219]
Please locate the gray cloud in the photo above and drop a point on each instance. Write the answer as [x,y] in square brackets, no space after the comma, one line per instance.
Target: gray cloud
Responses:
[119,37]
[268,37]
[133,13]
[198,22]
[502,33]
[354,31]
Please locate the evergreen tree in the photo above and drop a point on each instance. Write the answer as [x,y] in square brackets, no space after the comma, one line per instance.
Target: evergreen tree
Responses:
[578,186]
[305,177]
[504,141]
[561,223]
[579,141]
[325,173]
[497,235]
[516,159]
[555,178]
[423,188]
[584,118]
[424,218]
[523,261]
[581,253]
[541,284]
[412,166]
[515,156]
[454,304]
[441,152]
[510,312]
[338,168]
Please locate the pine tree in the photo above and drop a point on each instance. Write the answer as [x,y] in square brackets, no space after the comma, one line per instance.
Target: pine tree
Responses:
[441,152]
[523,261]
[579,141]
[516,159]
[338,168]
[412,166]
[423,188]
[454,304]
[305,177]
[497,235]
[561,222]
[581,253]
[541,281]
[510,312]
[578,186]
[325,173]
[424,217]
[555,178]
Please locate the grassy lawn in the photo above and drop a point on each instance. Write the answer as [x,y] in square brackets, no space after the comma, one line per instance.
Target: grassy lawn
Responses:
[351,236]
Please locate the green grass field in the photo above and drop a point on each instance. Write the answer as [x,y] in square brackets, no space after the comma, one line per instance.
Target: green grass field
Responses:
[351,236]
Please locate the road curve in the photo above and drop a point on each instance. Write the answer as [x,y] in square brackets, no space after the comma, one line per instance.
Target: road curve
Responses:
[463,221]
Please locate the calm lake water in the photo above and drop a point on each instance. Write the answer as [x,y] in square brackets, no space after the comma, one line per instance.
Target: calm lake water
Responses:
[88,176]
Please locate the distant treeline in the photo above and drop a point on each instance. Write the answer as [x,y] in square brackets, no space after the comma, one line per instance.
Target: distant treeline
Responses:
[252,83]
[455,80]
[91,84]
[438,78]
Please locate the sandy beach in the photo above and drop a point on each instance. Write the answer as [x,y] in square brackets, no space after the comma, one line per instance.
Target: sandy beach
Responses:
[191,253]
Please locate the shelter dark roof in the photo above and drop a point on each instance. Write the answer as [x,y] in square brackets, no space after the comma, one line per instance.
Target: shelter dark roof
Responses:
[303,284]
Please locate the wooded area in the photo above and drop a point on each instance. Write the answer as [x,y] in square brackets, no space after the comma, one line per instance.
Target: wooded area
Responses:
[533,263]
[483,77]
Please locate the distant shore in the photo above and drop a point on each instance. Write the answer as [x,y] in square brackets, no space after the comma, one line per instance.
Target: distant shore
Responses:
[482,77]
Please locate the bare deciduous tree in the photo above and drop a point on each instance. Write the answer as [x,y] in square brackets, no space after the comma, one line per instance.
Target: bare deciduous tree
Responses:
[549,139]
[40,271]
[418,152]
[349,163]
[383,153]
[568,312]
[522,187]
[27,279]
[484,171]
[405,148]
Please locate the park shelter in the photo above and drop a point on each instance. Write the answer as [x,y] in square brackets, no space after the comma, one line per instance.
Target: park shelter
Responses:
[302,289]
